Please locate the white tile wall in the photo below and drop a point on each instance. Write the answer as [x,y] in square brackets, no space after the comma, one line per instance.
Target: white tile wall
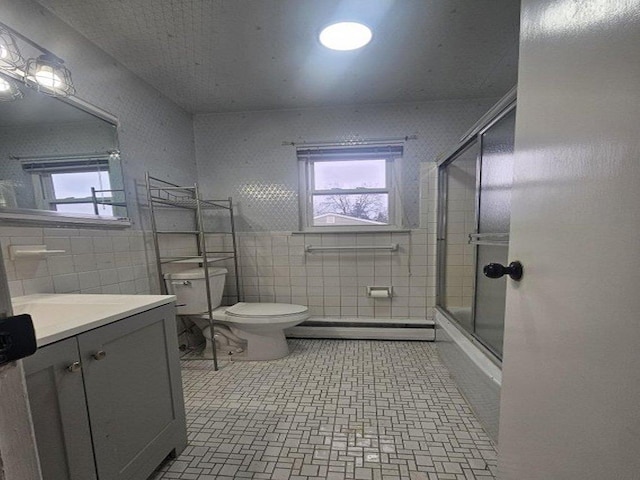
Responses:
[274,267]
[95,261]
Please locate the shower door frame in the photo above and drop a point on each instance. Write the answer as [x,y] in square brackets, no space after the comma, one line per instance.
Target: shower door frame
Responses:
[505,106]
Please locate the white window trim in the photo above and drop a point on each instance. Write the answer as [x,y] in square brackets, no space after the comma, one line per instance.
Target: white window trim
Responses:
[306,193]
[41,169]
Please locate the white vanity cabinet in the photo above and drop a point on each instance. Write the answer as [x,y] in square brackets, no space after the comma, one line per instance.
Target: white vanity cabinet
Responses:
[59,411]
[107,403]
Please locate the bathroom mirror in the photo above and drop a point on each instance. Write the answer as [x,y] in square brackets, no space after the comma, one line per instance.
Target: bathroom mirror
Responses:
[59,161]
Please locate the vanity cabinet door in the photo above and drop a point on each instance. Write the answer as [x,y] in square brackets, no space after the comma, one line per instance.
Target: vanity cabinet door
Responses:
[134,393]
[59,412]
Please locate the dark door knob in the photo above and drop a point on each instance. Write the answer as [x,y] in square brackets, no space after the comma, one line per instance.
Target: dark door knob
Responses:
[496,270]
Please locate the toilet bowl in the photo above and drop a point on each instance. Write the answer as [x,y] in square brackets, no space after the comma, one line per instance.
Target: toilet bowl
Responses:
[260,325]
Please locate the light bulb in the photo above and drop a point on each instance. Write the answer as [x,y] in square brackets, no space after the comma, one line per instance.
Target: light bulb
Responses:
[47,77]
[345,36]
[4,85]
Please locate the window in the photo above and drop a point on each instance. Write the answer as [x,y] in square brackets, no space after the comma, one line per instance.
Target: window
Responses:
[72,185]
[349,188]
[69,191]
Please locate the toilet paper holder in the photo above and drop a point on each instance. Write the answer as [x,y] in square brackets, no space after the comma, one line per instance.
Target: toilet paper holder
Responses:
[385,291]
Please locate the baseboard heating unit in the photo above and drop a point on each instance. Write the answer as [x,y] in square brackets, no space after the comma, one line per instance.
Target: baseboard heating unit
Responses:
[365,329]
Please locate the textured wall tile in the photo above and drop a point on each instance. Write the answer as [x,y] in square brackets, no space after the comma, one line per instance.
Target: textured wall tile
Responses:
[85,272]
[241,154]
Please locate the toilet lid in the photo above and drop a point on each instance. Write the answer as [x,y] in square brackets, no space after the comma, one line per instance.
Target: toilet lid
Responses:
[243,309]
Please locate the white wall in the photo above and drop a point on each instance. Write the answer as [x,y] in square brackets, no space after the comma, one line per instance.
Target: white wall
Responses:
[241,154]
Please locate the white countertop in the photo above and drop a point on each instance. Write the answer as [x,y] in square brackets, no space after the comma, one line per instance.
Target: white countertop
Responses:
[59,316]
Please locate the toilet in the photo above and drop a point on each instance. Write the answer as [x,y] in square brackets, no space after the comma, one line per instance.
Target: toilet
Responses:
[260,325]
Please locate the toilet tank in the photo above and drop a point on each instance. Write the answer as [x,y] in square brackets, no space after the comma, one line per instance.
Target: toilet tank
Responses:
[191,291]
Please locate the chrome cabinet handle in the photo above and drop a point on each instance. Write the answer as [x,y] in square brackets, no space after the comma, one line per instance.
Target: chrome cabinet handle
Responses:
[99,355]
[74,367]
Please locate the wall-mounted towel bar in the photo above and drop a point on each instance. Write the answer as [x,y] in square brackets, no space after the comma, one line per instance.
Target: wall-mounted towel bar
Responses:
[392,248]
[489,243]
[489,235]
[489,239]
[30,251]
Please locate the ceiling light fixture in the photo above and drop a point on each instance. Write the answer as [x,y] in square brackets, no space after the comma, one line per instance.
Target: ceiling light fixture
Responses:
[48,75]
[345,36]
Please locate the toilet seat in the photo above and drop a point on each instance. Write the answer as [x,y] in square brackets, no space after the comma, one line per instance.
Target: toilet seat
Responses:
[262,313]
[243,309]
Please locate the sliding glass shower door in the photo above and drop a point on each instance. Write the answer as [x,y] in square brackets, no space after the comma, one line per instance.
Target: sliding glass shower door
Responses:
[456,255]
[475,213]
[494,219]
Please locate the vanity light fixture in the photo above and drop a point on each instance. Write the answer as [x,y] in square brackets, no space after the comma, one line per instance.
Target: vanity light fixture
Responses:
[345,36]
[9,90]
[10,57]
[48,75]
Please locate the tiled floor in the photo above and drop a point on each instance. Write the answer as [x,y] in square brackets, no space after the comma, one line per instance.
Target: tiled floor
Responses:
[333,409]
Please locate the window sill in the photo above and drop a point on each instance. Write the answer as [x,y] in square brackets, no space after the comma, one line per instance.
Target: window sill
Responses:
[28,217]
[351,231]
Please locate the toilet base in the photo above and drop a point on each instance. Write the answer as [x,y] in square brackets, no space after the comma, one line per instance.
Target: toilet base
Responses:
[261,336]
[265,345]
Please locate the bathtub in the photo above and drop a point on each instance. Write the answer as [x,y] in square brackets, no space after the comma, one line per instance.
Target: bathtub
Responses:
[477,374]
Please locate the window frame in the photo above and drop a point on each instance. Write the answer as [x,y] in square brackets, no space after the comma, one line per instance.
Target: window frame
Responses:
[307,158]
[42,168]
[46,195]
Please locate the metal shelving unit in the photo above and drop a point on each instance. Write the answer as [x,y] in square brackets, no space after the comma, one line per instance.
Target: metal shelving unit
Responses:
[163,195]
[109,200]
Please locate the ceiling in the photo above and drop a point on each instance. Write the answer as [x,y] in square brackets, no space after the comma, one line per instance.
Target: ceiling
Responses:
[236,55]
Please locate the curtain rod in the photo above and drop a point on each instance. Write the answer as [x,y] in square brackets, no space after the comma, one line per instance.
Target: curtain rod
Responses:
[351,143]
[71,156]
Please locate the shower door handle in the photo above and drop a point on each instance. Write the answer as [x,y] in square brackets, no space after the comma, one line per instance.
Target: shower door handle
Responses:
[497,270]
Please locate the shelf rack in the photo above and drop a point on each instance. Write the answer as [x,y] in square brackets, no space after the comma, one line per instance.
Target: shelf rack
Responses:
[162,195]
